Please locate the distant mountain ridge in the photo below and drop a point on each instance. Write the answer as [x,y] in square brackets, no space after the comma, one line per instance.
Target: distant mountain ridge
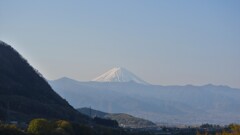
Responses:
[124,120]
[167,104]
[119,74]
[25,94]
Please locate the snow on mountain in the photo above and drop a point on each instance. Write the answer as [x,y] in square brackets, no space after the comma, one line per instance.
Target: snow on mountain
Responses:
[119,75]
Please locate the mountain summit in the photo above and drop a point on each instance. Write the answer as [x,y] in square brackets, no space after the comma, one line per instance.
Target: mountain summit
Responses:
[119,74]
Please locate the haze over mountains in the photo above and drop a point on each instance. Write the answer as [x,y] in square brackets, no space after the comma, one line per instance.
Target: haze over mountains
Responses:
[24,94]
[120,91]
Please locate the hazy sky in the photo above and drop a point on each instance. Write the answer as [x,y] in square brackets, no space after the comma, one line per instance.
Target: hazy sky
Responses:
[162,41]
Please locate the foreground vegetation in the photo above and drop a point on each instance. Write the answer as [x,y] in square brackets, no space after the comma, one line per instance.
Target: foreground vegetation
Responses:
[59,127]
[232,129]
[62,127]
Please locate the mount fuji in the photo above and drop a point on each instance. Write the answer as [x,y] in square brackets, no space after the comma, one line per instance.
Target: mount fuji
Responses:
[120,91]
[119,74]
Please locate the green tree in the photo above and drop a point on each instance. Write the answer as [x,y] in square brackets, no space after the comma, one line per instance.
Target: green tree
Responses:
[6,129]
[66,126]
[39,127]
[235,129]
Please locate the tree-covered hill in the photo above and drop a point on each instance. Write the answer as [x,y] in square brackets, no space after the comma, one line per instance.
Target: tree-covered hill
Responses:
[25,94]
[124,120]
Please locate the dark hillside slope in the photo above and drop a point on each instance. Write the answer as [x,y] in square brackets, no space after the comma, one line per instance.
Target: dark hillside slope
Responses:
[25,94]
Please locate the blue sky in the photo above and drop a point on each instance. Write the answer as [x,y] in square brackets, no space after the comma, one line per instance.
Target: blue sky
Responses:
[163,41]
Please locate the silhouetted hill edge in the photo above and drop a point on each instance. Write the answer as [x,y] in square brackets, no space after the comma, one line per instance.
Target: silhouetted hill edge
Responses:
[25,94]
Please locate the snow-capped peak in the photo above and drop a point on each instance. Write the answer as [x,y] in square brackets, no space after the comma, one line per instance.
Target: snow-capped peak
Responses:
[119,75]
